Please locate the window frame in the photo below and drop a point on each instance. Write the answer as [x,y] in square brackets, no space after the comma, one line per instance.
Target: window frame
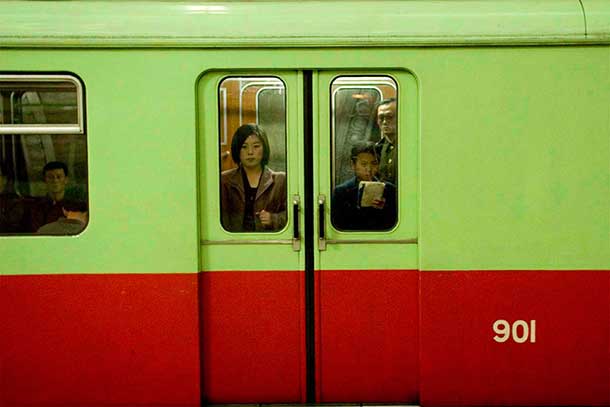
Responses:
[78,128]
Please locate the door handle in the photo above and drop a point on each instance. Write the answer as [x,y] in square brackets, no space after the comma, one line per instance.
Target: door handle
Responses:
[296,234]
[321,223]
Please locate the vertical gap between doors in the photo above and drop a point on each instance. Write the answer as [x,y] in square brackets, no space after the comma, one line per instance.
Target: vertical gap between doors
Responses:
[309,238]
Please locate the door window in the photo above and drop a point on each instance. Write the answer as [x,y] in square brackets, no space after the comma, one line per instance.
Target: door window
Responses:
[252,144]
[365,153]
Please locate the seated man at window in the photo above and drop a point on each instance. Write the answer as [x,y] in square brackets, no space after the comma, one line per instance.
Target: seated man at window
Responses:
[349,212]
[49,208]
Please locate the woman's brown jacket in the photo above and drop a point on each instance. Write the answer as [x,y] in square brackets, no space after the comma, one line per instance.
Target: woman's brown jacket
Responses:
[270,196]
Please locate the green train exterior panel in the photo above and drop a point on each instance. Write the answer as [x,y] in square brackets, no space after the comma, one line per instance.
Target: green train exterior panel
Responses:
[543,207]
[518,179]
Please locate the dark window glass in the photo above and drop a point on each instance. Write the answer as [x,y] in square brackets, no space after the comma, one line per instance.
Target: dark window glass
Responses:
[43,168]
[365,153]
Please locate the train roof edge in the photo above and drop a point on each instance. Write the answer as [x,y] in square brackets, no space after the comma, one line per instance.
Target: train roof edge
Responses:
[336,23]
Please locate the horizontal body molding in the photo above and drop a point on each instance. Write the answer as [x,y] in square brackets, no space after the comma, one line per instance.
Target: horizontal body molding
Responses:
[526,338]
[294,23]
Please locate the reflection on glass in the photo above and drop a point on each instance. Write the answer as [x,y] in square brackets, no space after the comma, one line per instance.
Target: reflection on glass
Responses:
[365,146]
[252,154]
[41,103]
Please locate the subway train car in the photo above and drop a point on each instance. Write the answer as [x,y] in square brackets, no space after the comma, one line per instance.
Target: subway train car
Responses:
[259,202]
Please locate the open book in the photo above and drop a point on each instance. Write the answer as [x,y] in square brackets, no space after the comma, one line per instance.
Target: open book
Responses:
[369,191]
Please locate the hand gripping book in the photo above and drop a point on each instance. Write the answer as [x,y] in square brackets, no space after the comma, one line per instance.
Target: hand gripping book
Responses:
[369,191]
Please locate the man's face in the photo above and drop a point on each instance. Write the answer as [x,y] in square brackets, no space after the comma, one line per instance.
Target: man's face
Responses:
[365,167]
[386,120]
[56,180]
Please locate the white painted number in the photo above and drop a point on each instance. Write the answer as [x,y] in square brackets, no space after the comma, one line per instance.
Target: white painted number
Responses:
[521,331]
[501,327]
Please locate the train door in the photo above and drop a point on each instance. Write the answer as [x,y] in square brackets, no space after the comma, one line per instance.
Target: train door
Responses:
[366,254]
[319,305]
[252,284]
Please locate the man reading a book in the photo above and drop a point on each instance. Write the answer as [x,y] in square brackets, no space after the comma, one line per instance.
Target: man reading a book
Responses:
[363,202]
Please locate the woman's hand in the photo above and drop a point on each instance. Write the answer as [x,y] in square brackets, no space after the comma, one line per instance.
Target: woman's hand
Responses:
[265,218]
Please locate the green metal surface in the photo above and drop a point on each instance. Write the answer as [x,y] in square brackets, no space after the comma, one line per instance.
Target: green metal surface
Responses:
[597,13]
[140,125]
[385,256]
[515,160]
[514,156]
[294,23]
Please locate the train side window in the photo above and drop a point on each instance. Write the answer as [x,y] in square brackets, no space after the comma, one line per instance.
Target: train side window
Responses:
[43,155]
[252,144]
[364,143]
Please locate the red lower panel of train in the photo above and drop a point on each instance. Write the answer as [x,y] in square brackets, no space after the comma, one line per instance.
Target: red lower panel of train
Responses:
[367,336]
[254,336]
[437,338]
[515,338]
[99,340]
[253,347]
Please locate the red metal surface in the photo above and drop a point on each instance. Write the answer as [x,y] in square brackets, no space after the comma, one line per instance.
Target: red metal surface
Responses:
[461,363]
[92,340]
[367,341]
[253,337]
[134,339]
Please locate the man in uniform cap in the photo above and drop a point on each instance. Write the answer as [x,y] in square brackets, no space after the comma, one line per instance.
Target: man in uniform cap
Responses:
[387,148]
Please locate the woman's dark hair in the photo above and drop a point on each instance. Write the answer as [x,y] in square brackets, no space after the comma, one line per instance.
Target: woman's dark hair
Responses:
[240,136]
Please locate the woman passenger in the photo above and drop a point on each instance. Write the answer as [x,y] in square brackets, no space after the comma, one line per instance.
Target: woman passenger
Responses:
[253,197]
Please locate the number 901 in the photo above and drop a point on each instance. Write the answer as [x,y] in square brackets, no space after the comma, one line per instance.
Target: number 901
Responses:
[520,331]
